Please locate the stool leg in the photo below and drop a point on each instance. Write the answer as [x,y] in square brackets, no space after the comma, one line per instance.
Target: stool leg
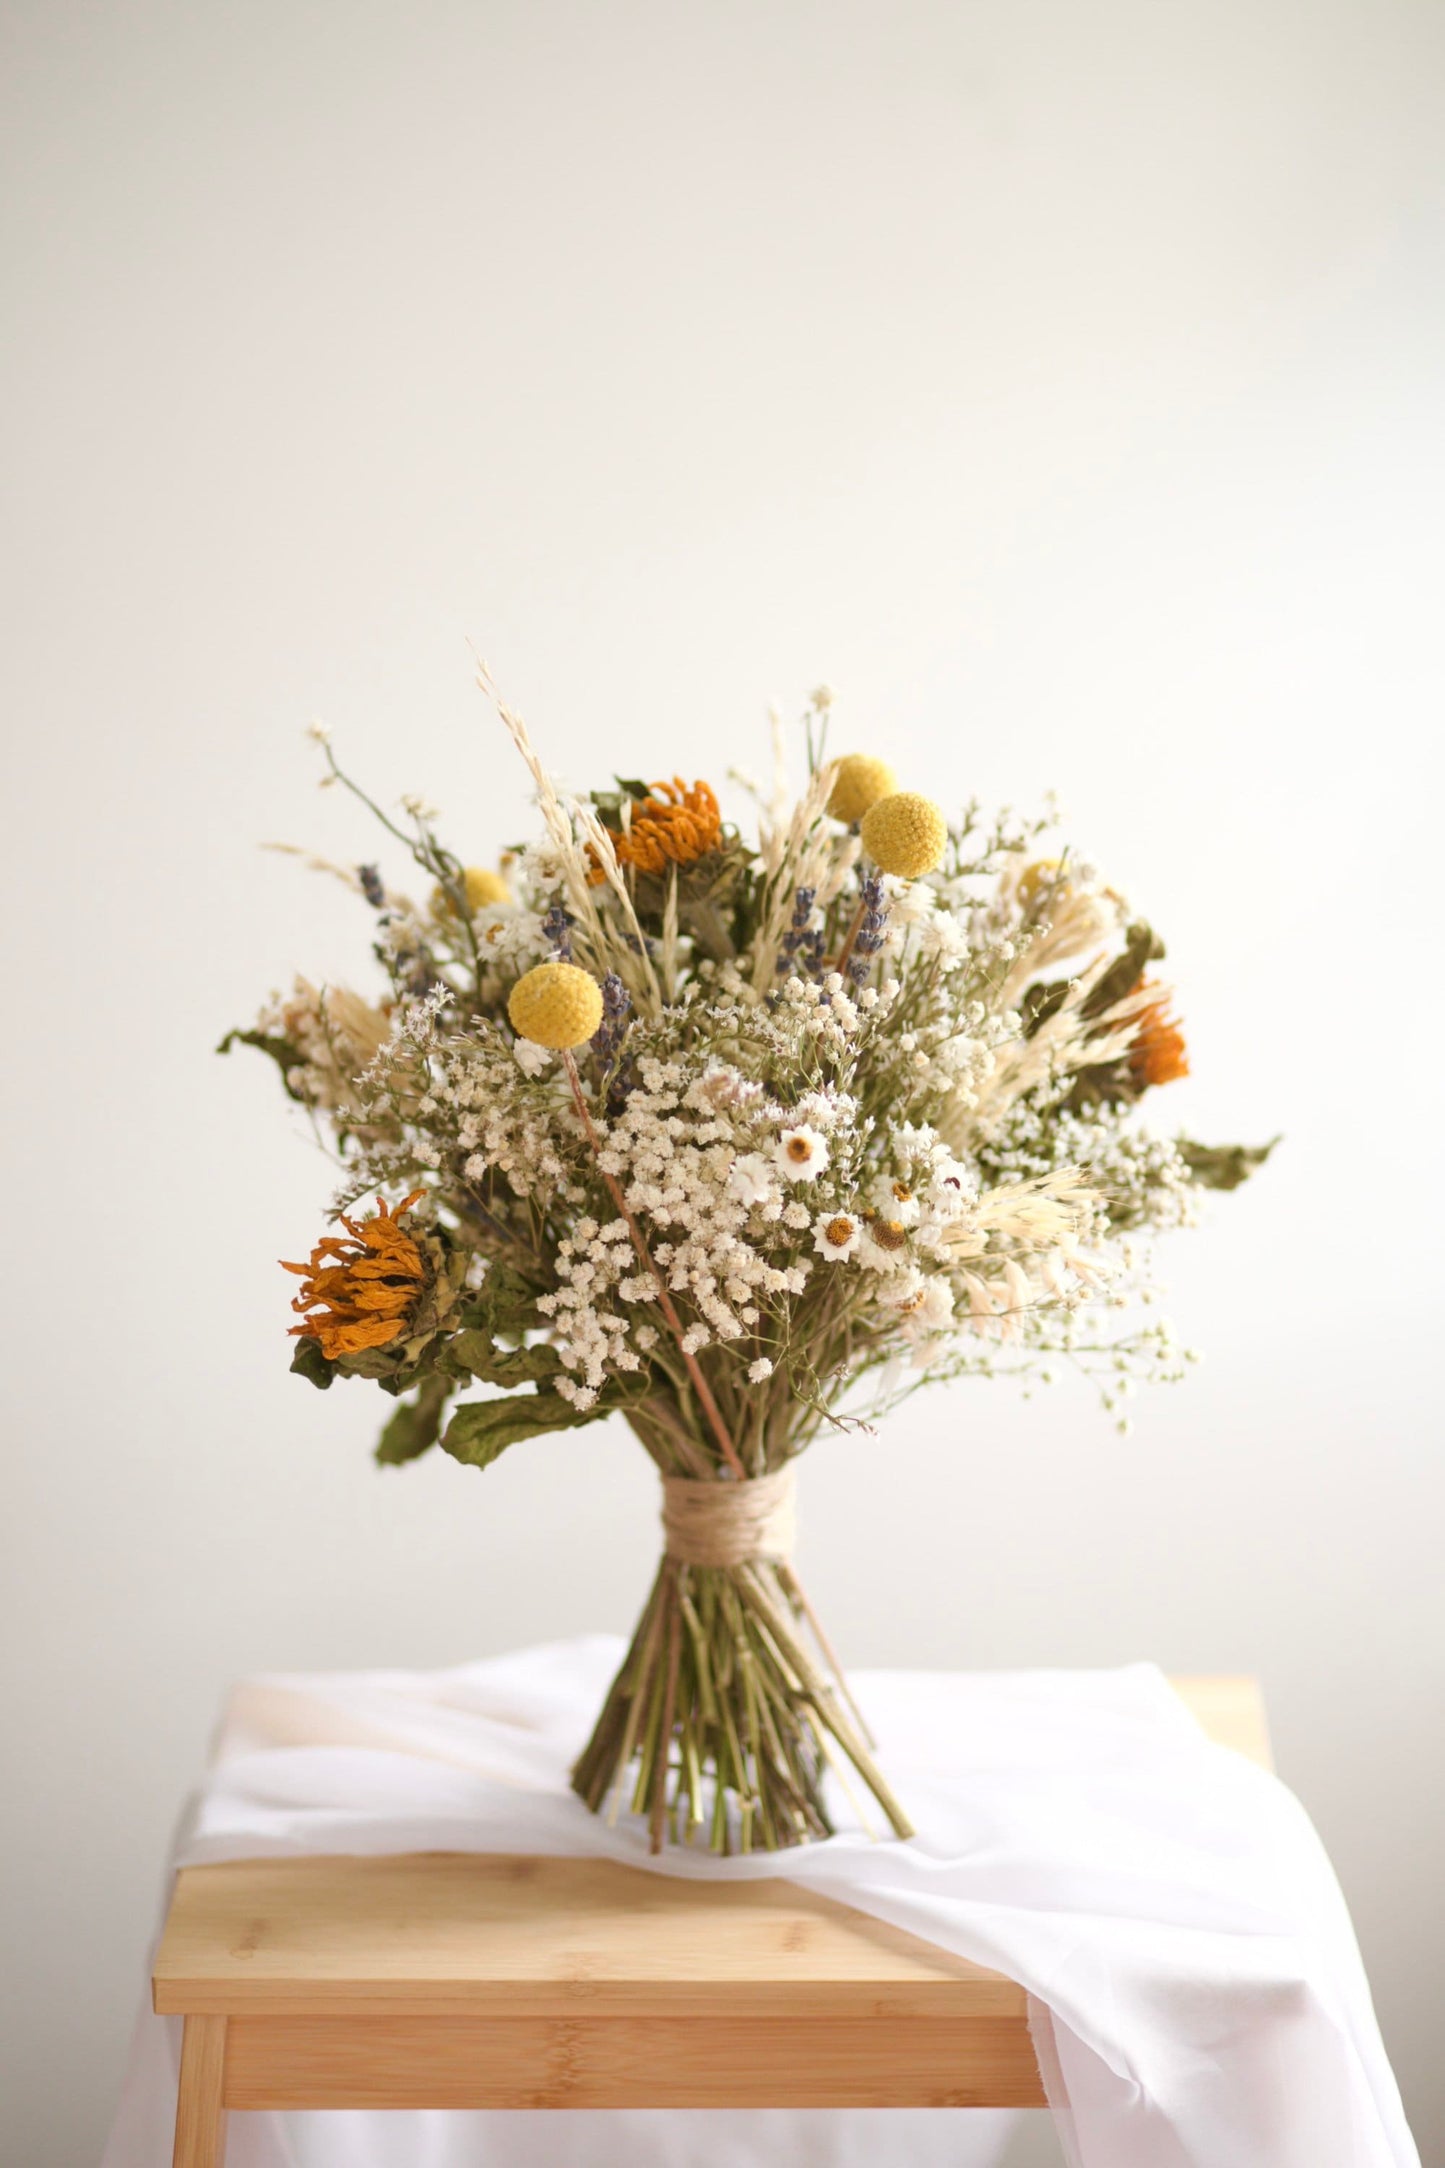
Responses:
[200,2110]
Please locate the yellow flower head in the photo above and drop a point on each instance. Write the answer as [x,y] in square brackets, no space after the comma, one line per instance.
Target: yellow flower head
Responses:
[482,887]
[1039,874]
[860,782]
[905,834]
[555,1005]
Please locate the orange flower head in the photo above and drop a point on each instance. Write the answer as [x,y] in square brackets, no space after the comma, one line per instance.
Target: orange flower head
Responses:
[1158,1054]
[359,1292]
[675,826]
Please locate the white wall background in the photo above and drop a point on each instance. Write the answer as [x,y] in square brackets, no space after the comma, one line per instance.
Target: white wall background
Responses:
[1063,384]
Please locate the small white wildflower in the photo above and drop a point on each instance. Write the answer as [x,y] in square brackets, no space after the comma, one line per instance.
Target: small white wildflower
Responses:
[759,1370]
[927,1307]
[894,1197]
[751,1180]
[318,732]
[836,1235]
[801,1153]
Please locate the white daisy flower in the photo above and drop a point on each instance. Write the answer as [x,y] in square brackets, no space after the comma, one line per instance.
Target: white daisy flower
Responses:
[925,1306]
[801,1153]
[836,1235]
[884,1245]
[896,1199]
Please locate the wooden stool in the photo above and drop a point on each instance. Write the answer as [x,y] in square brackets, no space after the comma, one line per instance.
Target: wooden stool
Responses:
[441,1980]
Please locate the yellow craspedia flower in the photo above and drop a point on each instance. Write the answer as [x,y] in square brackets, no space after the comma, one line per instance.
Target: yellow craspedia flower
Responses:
[1037,874]
[860,782]
[555,1005]
[482,887]
[905,834]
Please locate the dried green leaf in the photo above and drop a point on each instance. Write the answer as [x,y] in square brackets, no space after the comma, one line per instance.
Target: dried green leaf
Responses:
[1141,946]
[481,1430]
[1223,1166]
[415,1425]
[476,1353]
[504,1306]
[284,1052]
[307,1361]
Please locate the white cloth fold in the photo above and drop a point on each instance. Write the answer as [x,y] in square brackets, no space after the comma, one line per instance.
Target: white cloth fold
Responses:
[1196,1993]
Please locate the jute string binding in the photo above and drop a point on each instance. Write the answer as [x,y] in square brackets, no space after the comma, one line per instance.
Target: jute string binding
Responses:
[726,1524]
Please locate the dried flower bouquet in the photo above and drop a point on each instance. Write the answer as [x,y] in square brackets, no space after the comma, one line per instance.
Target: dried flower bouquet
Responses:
[740,1140]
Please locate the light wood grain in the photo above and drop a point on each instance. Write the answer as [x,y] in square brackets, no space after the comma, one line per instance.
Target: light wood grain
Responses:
[409,2062]
[471,1980]
[458,1934]
[200,2116]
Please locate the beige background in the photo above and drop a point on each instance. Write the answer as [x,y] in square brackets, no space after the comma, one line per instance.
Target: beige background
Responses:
[1060,382]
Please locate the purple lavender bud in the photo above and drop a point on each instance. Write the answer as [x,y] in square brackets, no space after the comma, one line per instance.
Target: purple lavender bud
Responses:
[608,1037]
[557,926]
[869,937]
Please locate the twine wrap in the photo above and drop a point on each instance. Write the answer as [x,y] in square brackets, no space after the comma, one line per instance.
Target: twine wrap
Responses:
[726,1524]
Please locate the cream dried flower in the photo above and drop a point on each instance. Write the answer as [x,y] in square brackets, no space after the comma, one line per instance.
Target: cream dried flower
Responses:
[750,1179]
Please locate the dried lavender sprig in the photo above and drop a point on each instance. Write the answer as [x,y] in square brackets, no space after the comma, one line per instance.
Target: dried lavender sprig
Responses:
[371,887]
[608,1037]
[871,928]
[801,948]
[557,926]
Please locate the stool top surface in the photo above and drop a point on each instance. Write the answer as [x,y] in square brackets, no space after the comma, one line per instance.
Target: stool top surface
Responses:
[475,1933]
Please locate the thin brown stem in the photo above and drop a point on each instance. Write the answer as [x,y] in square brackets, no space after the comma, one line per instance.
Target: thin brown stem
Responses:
[665,1302]
[851,936]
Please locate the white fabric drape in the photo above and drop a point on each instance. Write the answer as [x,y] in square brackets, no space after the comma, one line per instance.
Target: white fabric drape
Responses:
[1197,1996]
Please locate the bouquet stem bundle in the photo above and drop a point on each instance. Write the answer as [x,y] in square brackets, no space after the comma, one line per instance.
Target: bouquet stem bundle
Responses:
[728,1709]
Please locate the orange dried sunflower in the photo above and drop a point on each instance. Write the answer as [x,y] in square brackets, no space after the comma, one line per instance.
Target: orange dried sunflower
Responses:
[1158,1054]
[360,1292]
[675,826]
